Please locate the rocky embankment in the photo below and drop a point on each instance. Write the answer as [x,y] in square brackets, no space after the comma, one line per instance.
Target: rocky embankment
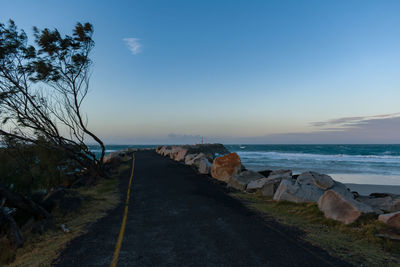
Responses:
[334,199]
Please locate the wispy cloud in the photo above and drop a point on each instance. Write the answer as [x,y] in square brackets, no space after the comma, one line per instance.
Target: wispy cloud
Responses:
[349,122]
[134,45]
[377,129]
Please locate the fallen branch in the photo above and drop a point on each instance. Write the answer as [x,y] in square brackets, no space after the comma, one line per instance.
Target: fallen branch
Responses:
[18,201]
[10,227]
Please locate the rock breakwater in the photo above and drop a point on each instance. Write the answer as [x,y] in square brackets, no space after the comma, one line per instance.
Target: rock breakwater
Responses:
[334,199]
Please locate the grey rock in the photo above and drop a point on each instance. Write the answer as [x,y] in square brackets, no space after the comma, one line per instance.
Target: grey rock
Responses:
[266,186]
[303,189]
[322,181]
[288,191]
[189,159]
[255,185]
[283,174]
[203,166]
[381,204]
[240,181]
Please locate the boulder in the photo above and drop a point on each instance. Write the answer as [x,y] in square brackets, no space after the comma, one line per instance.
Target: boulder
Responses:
[255,185]
[203,166]
[287,191]
[210,150]
[116,157]
[322,181]
[180,154]
[340,208]
[283,174]
[266,186]
[200,162]
[166,152]
[269,188]
[240,181]
[224,167]
[189,159]
[396,204]
[160,150]
[174,150]
[304,189]
[381,204]
[112,158]
[391,219]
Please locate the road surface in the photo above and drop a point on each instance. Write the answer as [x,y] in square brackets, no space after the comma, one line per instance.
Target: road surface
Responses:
[177,217]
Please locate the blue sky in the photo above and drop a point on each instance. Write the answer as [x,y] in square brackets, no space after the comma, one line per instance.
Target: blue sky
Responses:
[235,71]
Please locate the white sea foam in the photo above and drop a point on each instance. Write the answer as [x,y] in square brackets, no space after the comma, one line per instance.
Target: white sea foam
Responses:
[319,157]
[106,151]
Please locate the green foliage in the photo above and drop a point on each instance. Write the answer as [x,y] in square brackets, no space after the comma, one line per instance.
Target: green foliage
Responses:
[62,57]
[42,88]
[28,167]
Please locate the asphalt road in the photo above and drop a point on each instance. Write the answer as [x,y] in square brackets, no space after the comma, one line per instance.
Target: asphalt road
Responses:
[180,218]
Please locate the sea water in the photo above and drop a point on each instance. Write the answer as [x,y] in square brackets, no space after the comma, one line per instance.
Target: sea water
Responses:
[367,164]
[362,164]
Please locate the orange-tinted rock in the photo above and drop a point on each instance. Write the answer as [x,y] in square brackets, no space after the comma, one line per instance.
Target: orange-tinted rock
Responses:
[391,219]
[337,207]
[224,167]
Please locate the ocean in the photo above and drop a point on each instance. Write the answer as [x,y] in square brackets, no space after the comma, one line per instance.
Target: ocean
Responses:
[367,164]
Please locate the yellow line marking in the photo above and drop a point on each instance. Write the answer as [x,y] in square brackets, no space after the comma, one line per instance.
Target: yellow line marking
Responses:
[122,231]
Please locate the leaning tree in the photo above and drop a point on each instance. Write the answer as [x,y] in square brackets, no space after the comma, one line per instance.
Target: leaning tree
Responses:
[42,88]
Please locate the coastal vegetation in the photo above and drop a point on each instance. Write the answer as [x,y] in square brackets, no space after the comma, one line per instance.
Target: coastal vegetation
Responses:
[42,89]
[362,243]
[48,175]
[43,249]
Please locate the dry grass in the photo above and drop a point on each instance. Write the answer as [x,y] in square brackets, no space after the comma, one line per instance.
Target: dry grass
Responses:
[356,243]
[41,250]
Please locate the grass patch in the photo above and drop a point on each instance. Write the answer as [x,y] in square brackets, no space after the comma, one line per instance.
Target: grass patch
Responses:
[41,250]
[356,243]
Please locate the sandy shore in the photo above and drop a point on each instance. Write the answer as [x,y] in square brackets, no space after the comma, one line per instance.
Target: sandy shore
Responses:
[364,178]
[366,189]
[366,184]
